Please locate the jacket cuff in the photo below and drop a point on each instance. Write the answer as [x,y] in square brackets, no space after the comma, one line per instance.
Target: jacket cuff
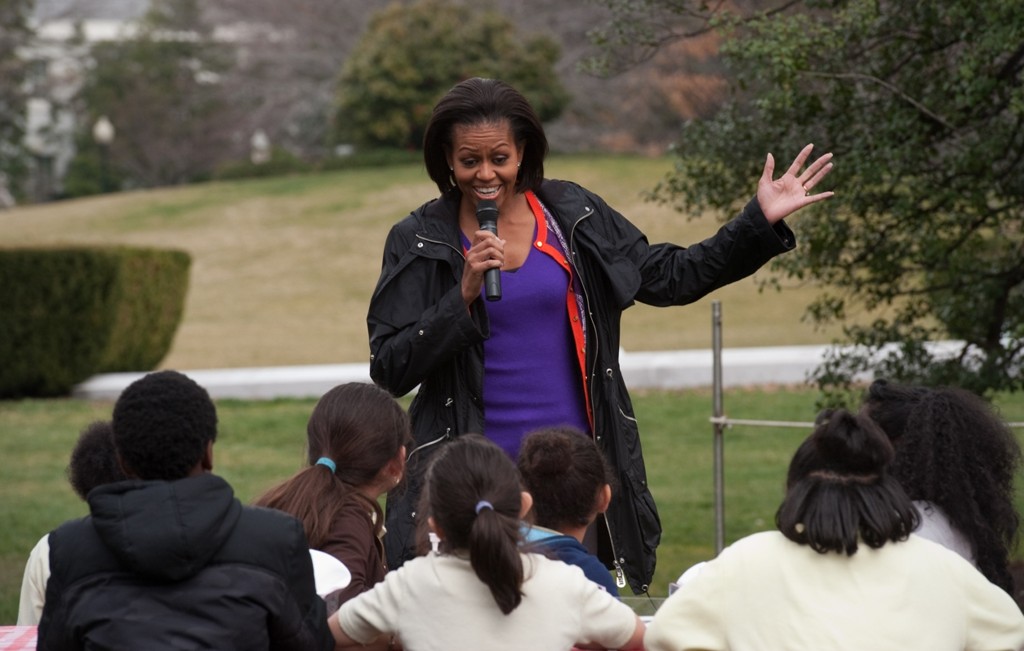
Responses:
[780,230]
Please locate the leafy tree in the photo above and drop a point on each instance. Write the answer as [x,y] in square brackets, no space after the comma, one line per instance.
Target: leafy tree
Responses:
[923,105]
[160,90]
[14,35]
[411,54]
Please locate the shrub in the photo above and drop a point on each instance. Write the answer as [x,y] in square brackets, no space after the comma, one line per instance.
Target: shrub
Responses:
[281,163]
[71,313]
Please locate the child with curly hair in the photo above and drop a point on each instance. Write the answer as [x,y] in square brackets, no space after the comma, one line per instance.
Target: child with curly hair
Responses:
[957,459]
[570,482]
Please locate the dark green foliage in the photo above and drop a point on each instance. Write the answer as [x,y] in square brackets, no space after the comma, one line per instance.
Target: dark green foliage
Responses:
[375,157]
[151,288]
[922,104]
[71,313]
[14,35]
[91,171]
[411,54]
[280,163]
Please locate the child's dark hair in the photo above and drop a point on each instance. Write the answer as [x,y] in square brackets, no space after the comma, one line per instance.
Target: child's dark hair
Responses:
[358,427]
[93,459]
[954,451]
[564,471]
[838,490]
[163,423]
[472,491]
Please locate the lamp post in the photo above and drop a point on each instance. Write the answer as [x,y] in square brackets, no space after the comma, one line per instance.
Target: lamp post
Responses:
[41,143]
[103,133]
[259,146]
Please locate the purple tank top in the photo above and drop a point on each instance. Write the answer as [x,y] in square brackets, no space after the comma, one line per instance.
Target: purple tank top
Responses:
[531,372]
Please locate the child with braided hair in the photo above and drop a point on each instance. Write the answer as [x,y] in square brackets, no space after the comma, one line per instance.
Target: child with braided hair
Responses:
[482,590]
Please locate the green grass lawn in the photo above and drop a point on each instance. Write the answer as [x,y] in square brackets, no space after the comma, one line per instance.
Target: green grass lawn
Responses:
[262,442]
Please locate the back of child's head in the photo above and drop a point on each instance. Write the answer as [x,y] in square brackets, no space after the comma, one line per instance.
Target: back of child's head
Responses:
[891,404]
[954,451]
[473,492]
[948,441]
[354,430]
[359,428]
[93,459]
[163,423]
[564,472]
[839,491]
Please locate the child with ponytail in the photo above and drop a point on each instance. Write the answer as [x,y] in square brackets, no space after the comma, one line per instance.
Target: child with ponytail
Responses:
[481,590]
[356,442]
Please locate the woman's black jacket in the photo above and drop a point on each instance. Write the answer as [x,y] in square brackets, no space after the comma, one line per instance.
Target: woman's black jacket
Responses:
[421,334]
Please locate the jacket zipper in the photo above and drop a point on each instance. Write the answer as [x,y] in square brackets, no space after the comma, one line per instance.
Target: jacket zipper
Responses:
[442,243]
[444,437]
[620,575]
[586,294]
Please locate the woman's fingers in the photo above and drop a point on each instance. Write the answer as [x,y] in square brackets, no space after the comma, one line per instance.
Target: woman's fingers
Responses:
[815,176]
[488,252]
[816,171]
[798,162]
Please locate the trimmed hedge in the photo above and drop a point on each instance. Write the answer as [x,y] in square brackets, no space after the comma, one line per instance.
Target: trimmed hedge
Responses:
[67,314]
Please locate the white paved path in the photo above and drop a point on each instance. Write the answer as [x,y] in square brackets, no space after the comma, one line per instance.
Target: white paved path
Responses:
[659,369]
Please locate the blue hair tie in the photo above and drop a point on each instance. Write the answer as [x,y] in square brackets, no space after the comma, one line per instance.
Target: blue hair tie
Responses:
[483,504]
[324,461]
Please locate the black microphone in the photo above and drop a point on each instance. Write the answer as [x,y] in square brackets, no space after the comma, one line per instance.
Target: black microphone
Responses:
[487,215]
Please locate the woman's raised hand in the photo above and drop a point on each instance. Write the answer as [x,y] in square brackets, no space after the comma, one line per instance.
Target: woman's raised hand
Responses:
[783,196]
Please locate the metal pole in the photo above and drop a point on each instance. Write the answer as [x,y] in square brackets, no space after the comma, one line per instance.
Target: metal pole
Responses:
[719,425]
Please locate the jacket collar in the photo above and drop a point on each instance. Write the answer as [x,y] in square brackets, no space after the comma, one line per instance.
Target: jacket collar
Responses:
[438,219]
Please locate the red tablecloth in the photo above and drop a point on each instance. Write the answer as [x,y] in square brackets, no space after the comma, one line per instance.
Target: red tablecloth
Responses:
[16,638]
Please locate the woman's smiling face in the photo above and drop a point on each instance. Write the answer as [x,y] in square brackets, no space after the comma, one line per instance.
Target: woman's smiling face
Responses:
[485,161]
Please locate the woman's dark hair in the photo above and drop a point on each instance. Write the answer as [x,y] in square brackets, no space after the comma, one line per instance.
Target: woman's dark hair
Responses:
[564,471]
[838,489]
[360,428]
[955,451]
[473,492]
[484,101]
[94,459]
[162,424]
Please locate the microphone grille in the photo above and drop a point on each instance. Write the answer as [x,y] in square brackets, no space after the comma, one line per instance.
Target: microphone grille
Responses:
[486,210]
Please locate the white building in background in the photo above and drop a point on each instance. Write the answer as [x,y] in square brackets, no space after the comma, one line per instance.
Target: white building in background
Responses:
[54,78]
[58,57]
[64,32]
